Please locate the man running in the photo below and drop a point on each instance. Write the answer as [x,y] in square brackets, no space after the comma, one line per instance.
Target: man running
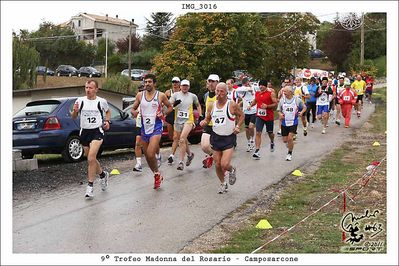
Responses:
[138,152]
[170,118]
[265,101]
[347,98]
[301,91]
[359,85]
[323,103]
[150,101]
[210,98]
[184,119]
[340,87]
[311,101]
[92,123]
[227,119]
[289,108]
[247,93]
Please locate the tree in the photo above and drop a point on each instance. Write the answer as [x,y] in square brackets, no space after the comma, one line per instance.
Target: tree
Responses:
[338,45]
[123,44]
[204,43]
[101,47]
[322,33]
[25,59]
[58,45]
[158,29]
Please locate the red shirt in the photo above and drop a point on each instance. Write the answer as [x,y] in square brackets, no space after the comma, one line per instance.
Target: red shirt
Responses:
[347,97]
[266,98]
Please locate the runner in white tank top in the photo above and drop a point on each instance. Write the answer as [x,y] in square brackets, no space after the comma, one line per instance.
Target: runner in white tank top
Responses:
[227,118]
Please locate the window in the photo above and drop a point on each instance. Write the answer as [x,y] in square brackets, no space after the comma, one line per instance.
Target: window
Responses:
[78,23]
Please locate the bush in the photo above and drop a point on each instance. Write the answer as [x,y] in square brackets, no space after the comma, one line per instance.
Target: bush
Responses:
[117,83]
[381,64]
[367,69]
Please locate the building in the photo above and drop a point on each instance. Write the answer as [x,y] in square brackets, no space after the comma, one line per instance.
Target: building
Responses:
[90,27]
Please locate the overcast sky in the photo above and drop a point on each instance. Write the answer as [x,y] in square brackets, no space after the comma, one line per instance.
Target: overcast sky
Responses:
[29,15]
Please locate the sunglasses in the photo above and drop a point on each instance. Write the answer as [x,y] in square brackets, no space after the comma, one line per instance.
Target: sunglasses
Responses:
[175,81]
[209,80]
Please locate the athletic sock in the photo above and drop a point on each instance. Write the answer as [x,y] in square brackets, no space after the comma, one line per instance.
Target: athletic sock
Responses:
[90,184]
[290,152]
[138,160]
[102,175]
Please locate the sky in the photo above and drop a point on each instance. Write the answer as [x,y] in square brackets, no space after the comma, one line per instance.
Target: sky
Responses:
[60,11]
[28,15]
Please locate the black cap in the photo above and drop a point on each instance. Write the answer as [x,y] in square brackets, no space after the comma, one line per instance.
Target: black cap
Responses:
[263,82]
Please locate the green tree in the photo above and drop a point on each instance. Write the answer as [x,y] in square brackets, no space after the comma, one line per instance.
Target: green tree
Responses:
[322,33]
[158,29]
[25,59]
[101,47]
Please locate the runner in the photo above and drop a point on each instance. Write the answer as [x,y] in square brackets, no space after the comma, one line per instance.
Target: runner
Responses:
[289,108]
[227,119]
[323,103]
[150,101]
[91,109]
[347,98]
[231,92]
[369,89]
[265,101]
[209,98]
[170,118]
[301,91]
[340,87]
[247,94]
[138,152]
[311,101]
[359,85]
[184,120]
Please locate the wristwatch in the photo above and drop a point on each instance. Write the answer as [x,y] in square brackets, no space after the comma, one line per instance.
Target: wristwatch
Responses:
[109,121]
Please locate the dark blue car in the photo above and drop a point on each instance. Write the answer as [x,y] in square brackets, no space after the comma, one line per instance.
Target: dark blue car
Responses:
[46,126]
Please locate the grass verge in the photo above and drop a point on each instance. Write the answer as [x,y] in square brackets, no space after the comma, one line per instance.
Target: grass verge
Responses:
[321,232]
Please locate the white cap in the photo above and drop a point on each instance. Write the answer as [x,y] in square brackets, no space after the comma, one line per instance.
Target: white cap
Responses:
[213,77]
[176,79]
[185,82]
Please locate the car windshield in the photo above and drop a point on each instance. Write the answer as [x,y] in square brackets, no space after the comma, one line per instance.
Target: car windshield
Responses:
[38,109]
[71,68]
[92,69]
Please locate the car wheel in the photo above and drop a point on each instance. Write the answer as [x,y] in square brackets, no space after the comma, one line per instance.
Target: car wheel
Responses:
[79,75]
[194,139]
[70,74]
[73,151]
[91,75]
[58,74]
[27,155]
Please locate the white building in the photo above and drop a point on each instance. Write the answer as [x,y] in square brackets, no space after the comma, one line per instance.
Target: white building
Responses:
[90,27]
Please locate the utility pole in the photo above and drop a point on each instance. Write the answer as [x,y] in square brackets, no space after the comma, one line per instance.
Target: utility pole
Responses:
[106,54]
[362,41]
[130,55]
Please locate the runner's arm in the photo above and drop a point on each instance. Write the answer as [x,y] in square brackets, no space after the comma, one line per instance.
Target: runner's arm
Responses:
[166,103]
[136,105]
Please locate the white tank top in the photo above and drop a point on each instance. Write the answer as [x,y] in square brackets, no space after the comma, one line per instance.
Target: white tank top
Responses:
[92,112]
[148,111]
[223,121]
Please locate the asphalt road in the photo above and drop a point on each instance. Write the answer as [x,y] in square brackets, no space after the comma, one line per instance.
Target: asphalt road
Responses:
[131,217]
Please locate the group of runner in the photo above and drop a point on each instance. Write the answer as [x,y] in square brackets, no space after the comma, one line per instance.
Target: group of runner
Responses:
[227,108]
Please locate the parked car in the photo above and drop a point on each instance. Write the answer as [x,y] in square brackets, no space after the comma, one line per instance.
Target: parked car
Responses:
[194,137]
[66,70]
[46,126]
[41,70]
[135,74]
[88,72]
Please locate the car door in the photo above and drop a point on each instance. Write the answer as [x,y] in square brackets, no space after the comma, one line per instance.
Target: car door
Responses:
[122,130]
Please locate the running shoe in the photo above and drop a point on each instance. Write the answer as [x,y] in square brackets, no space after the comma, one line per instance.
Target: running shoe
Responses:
[190,159]
[207,162]
[294,137]
[279,132]
[232,176]
[104,181]
[170,159]
[358,114]
[138,168]
[249,147]
[305,131]
[346,126]
[89,192]
[338,122]
[256,156]
[272,147]
[180,166]
[157,180]
[289,157]
[323,131]
[223,188]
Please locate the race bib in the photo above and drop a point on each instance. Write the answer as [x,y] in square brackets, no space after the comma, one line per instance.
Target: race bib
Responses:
[149,123]
[323,99]
[182,114]
[261,112]
[219,121]
[347,98]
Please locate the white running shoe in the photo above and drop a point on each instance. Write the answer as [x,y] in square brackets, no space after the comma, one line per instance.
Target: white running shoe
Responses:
[289,157]
[180,166]
[256,156]
[138,168]
[232,176]
[249,147]
[89,192]
[104,181]
[223,188]
[170,159]
[323,131]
